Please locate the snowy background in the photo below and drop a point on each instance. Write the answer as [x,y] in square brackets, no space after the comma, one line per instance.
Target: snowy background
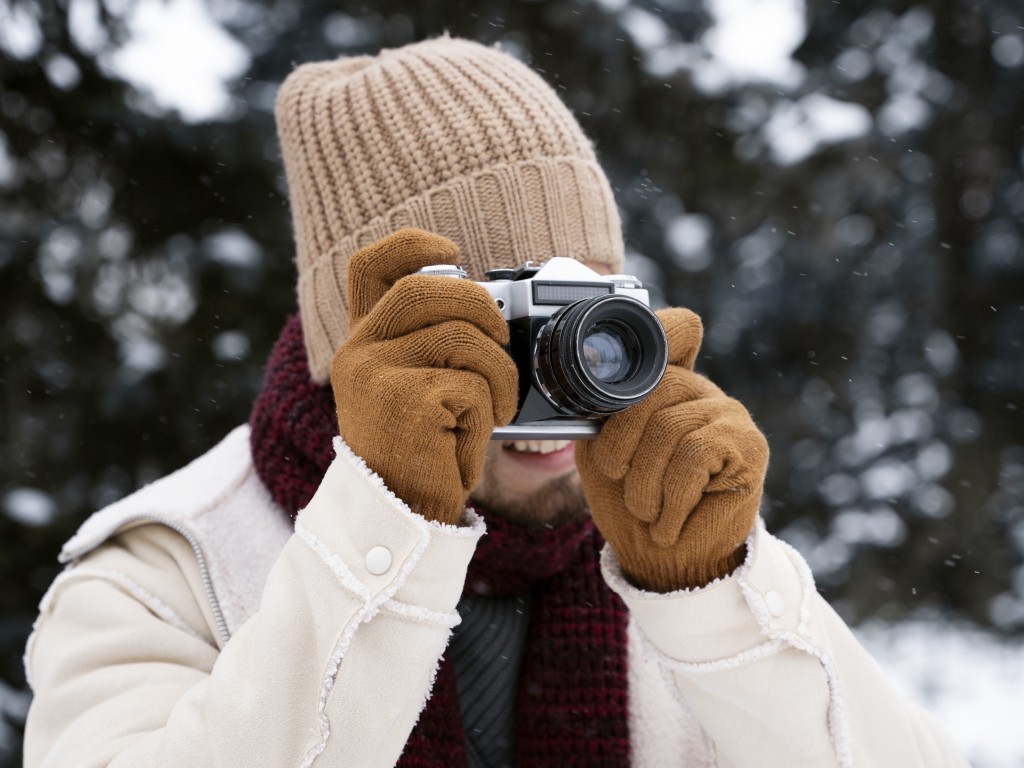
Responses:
[838,191]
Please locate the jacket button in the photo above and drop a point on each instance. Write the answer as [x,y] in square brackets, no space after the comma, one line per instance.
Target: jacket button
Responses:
[378,560]
[776,605]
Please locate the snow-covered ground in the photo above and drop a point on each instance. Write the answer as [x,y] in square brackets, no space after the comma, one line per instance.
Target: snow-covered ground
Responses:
[972,681]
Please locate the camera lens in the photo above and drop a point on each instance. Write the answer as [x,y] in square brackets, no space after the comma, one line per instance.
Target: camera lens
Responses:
[600,355]
[610,351]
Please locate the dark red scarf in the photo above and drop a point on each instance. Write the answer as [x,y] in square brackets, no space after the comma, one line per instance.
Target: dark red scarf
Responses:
[572,704]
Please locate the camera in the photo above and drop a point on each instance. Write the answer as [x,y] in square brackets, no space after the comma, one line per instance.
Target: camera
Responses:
[586,345]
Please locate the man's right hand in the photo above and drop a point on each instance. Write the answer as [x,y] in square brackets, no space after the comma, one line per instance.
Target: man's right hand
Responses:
[423,379]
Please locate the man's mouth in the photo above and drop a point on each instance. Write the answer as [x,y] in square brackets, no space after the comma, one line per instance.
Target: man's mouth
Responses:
[536,446]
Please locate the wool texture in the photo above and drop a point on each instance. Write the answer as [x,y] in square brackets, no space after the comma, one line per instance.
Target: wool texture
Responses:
[675,482]
[446,135]
[572,701]
[424,378]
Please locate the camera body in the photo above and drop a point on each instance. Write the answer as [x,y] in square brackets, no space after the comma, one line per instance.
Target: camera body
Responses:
[586,345]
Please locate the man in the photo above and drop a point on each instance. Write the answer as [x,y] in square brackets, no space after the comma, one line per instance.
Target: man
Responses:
[289,598]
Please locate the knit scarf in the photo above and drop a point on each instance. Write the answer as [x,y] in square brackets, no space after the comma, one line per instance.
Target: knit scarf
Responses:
[572,702]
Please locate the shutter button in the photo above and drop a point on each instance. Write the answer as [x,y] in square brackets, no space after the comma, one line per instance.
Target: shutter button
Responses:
[776,605]
[378,560]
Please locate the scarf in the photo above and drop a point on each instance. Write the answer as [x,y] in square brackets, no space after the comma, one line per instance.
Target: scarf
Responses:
[572,701]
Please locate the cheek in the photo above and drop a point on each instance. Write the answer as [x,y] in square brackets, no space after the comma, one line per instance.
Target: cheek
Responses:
[492,466]
[493,453]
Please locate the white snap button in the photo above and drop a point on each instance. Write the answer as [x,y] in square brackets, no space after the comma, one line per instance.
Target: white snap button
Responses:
[378,560]
[776,605]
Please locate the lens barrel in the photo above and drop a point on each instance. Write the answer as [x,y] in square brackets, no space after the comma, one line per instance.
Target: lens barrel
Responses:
[600,355]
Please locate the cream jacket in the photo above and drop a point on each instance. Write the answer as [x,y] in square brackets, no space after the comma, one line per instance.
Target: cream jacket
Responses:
[195,627]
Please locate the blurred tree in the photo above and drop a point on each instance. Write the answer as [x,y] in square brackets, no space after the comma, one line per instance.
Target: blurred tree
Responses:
[844,208]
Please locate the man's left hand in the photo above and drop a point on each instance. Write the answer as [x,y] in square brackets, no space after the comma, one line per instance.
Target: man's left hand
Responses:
[674,483]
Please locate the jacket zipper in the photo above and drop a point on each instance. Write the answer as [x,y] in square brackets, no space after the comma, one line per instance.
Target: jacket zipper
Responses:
[204,572]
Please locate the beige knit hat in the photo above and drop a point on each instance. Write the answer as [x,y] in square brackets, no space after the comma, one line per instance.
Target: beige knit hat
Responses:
[445,135]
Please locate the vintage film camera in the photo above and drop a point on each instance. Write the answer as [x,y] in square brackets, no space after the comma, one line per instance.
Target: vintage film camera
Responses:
[586,345]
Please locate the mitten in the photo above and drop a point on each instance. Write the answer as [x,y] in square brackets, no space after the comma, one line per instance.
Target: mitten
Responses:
[674,483]
[423,379]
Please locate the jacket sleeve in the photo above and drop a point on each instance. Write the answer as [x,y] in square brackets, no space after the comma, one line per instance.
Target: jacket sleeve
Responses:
[774,676]
[332,669]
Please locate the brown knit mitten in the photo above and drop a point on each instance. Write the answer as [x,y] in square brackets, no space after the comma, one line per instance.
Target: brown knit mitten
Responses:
[422,380]
[674,482]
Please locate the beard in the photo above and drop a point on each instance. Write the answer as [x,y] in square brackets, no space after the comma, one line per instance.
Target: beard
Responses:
[557,502]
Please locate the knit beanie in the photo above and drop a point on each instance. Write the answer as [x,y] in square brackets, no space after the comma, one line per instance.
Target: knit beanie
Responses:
[445,135]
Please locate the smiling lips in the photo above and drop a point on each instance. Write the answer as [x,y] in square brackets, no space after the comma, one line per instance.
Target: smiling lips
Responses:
[546,456]
[536,446]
